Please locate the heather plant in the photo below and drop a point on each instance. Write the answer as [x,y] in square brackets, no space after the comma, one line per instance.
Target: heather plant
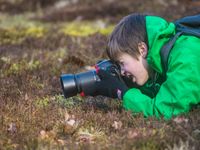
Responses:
[37,45]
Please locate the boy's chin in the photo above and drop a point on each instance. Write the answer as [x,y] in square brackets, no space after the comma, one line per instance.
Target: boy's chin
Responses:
[140,83]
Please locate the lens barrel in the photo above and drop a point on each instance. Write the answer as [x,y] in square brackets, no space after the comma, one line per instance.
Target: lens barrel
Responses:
[68,84]
[73,84]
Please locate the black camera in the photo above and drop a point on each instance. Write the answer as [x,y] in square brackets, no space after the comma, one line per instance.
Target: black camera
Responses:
[85,82]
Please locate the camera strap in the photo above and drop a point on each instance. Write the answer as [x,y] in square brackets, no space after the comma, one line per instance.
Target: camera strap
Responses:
[185,26]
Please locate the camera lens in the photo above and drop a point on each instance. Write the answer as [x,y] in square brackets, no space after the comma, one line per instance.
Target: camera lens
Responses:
[68,84]
[73,84]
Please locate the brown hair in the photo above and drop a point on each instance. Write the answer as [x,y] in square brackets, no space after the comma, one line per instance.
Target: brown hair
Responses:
[125,37]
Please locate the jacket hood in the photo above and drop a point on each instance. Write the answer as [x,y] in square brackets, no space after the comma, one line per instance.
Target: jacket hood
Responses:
[158,32]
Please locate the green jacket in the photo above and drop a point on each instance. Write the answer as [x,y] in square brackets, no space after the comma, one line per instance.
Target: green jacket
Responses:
[181,89]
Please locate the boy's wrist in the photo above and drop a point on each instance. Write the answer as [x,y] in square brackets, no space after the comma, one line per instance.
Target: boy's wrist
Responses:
[121,92]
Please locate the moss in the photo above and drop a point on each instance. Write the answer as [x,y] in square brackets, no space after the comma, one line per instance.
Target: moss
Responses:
[18,67]
[91,135]
[37,84]
[35,31]
[42,102]
[15,29]
[57,55]
[17,35]
[86,28]
[11,36]
[149,145]
[67,103]
[106,31]
[55,58]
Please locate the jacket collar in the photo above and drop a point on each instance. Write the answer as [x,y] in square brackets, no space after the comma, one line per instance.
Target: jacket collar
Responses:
[158,32]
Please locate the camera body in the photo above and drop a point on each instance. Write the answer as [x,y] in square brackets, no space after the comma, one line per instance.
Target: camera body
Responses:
[85,82]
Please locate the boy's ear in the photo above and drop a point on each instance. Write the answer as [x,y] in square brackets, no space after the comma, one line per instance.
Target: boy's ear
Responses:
[142,47]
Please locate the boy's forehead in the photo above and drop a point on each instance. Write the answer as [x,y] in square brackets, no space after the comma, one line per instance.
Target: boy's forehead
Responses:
[120,56]
[125,56]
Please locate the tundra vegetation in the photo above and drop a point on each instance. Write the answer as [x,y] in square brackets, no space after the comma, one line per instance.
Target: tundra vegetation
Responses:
[40,40]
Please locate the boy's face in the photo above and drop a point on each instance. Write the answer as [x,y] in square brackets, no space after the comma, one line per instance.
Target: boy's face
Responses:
[136,69]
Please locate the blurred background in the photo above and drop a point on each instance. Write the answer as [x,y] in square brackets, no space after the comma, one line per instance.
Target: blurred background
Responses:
[62,10]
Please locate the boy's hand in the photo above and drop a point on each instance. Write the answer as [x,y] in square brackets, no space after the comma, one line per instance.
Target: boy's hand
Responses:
[110,86]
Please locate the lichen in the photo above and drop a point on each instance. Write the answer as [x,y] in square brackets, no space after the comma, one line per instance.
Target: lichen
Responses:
[85,28]
[42,102]
[18,67]
[15,29]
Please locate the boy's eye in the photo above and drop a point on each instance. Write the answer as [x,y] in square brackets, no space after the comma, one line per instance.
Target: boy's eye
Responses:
[119,62]
[122,63]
